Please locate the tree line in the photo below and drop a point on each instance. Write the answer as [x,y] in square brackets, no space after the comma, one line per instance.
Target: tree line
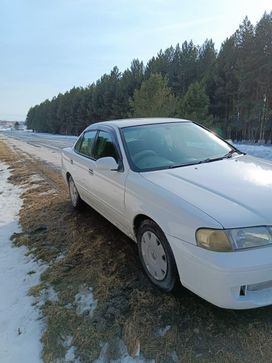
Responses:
[229,91]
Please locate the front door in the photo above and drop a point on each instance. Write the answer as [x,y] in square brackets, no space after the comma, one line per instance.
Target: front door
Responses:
[109,186]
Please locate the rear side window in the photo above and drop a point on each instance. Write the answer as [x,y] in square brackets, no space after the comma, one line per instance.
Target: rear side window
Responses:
[86,146]
[105,146]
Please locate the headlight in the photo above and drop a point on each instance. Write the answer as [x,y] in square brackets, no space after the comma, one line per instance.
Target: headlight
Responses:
[250,237]
[213,239]
[234,239]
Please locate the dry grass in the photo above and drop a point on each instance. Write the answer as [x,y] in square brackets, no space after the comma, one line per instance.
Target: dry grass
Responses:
[96,254]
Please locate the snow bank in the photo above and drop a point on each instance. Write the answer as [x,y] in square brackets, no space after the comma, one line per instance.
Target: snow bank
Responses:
[20,327]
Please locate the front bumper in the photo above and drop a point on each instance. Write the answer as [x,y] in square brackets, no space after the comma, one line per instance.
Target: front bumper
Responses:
[225,279]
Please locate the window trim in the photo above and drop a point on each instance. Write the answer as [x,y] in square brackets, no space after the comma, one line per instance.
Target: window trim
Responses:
[94,143]
[113,142]
[112,132]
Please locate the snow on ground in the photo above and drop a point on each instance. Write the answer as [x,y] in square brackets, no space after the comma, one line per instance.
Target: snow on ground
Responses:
[20,327]
[70,353]
[162,331]
[35,178]
[85,301]
[123,353]
[47,294]
[260,151]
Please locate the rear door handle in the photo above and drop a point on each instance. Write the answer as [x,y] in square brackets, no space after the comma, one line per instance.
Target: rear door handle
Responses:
[91,171]
[71,161]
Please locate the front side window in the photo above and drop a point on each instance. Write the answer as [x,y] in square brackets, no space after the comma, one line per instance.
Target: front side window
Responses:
[170,145]
[105,146]
[86,146]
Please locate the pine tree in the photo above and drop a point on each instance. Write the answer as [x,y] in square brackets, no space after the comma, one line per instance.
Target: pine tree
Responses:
[232,89]
[153,99]
[195,105]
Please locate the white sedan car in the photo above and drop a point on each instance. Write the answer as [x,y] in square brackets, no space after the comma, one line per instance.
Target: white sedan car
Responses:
[199,209]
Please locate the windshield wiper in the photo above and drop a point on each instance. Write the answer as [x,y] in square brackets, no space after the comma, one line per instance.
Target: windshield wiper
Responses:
[233,151]
[208,160]
[226,156]
[181,165]
[230,153]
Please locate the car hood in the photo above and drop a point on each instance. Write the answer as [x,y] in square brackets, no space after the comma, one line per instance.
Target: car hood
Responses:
[236,192]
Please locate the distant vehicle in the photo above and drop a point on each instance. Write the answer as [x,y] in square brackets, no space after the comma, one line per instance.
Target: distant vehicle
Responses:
[199,209]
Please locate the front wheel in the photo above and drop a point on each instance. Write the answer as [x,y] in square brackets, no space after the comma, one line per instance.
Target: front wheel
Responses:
[74,195]
[156,256]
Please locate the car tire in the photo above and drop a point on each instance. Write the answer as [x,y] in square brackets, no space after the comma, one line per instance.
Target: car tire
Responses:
[156,256]
[76,201]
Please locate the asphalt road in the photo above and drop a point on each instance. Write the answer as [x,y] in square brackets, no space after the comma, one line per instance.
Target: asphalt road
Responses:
[55,142]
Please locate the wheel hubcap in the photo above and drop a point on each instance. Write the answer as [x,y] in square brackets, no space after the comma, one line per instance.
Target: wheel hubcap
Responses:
[154,255]
[73,192]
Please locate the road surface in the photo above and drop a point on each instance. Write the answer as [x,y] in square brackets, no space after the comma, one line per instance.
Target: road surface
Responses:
[46,147]
[55,142]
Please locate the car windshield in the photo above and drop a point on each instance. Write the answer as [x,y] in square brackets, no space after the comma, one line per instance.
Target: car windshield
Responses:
[170,145]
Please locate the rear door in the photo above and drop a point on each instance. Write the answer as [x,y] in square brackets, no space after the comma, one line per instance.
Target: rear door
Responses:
[83,164]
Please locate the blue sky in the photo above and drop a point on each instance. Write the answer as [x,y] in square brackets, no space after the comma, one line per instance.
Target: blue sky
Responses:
[49,46]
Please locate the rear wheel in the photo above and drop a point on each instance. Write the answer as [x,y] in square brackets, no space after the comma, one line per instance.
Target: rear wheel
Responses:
[74,195]
[156,256]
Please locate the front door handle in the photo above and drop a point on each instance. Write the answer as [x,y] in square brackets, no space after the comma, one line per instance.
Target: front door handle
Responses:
[91,171]
[71,161]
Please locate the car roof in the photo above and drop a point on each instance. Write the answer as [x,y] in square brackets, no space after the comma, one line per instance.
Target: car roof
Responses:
[137,122]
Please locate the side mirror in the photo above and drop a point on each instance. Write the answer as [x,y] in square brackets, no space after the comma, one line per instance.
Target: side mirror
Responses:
[108,163]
